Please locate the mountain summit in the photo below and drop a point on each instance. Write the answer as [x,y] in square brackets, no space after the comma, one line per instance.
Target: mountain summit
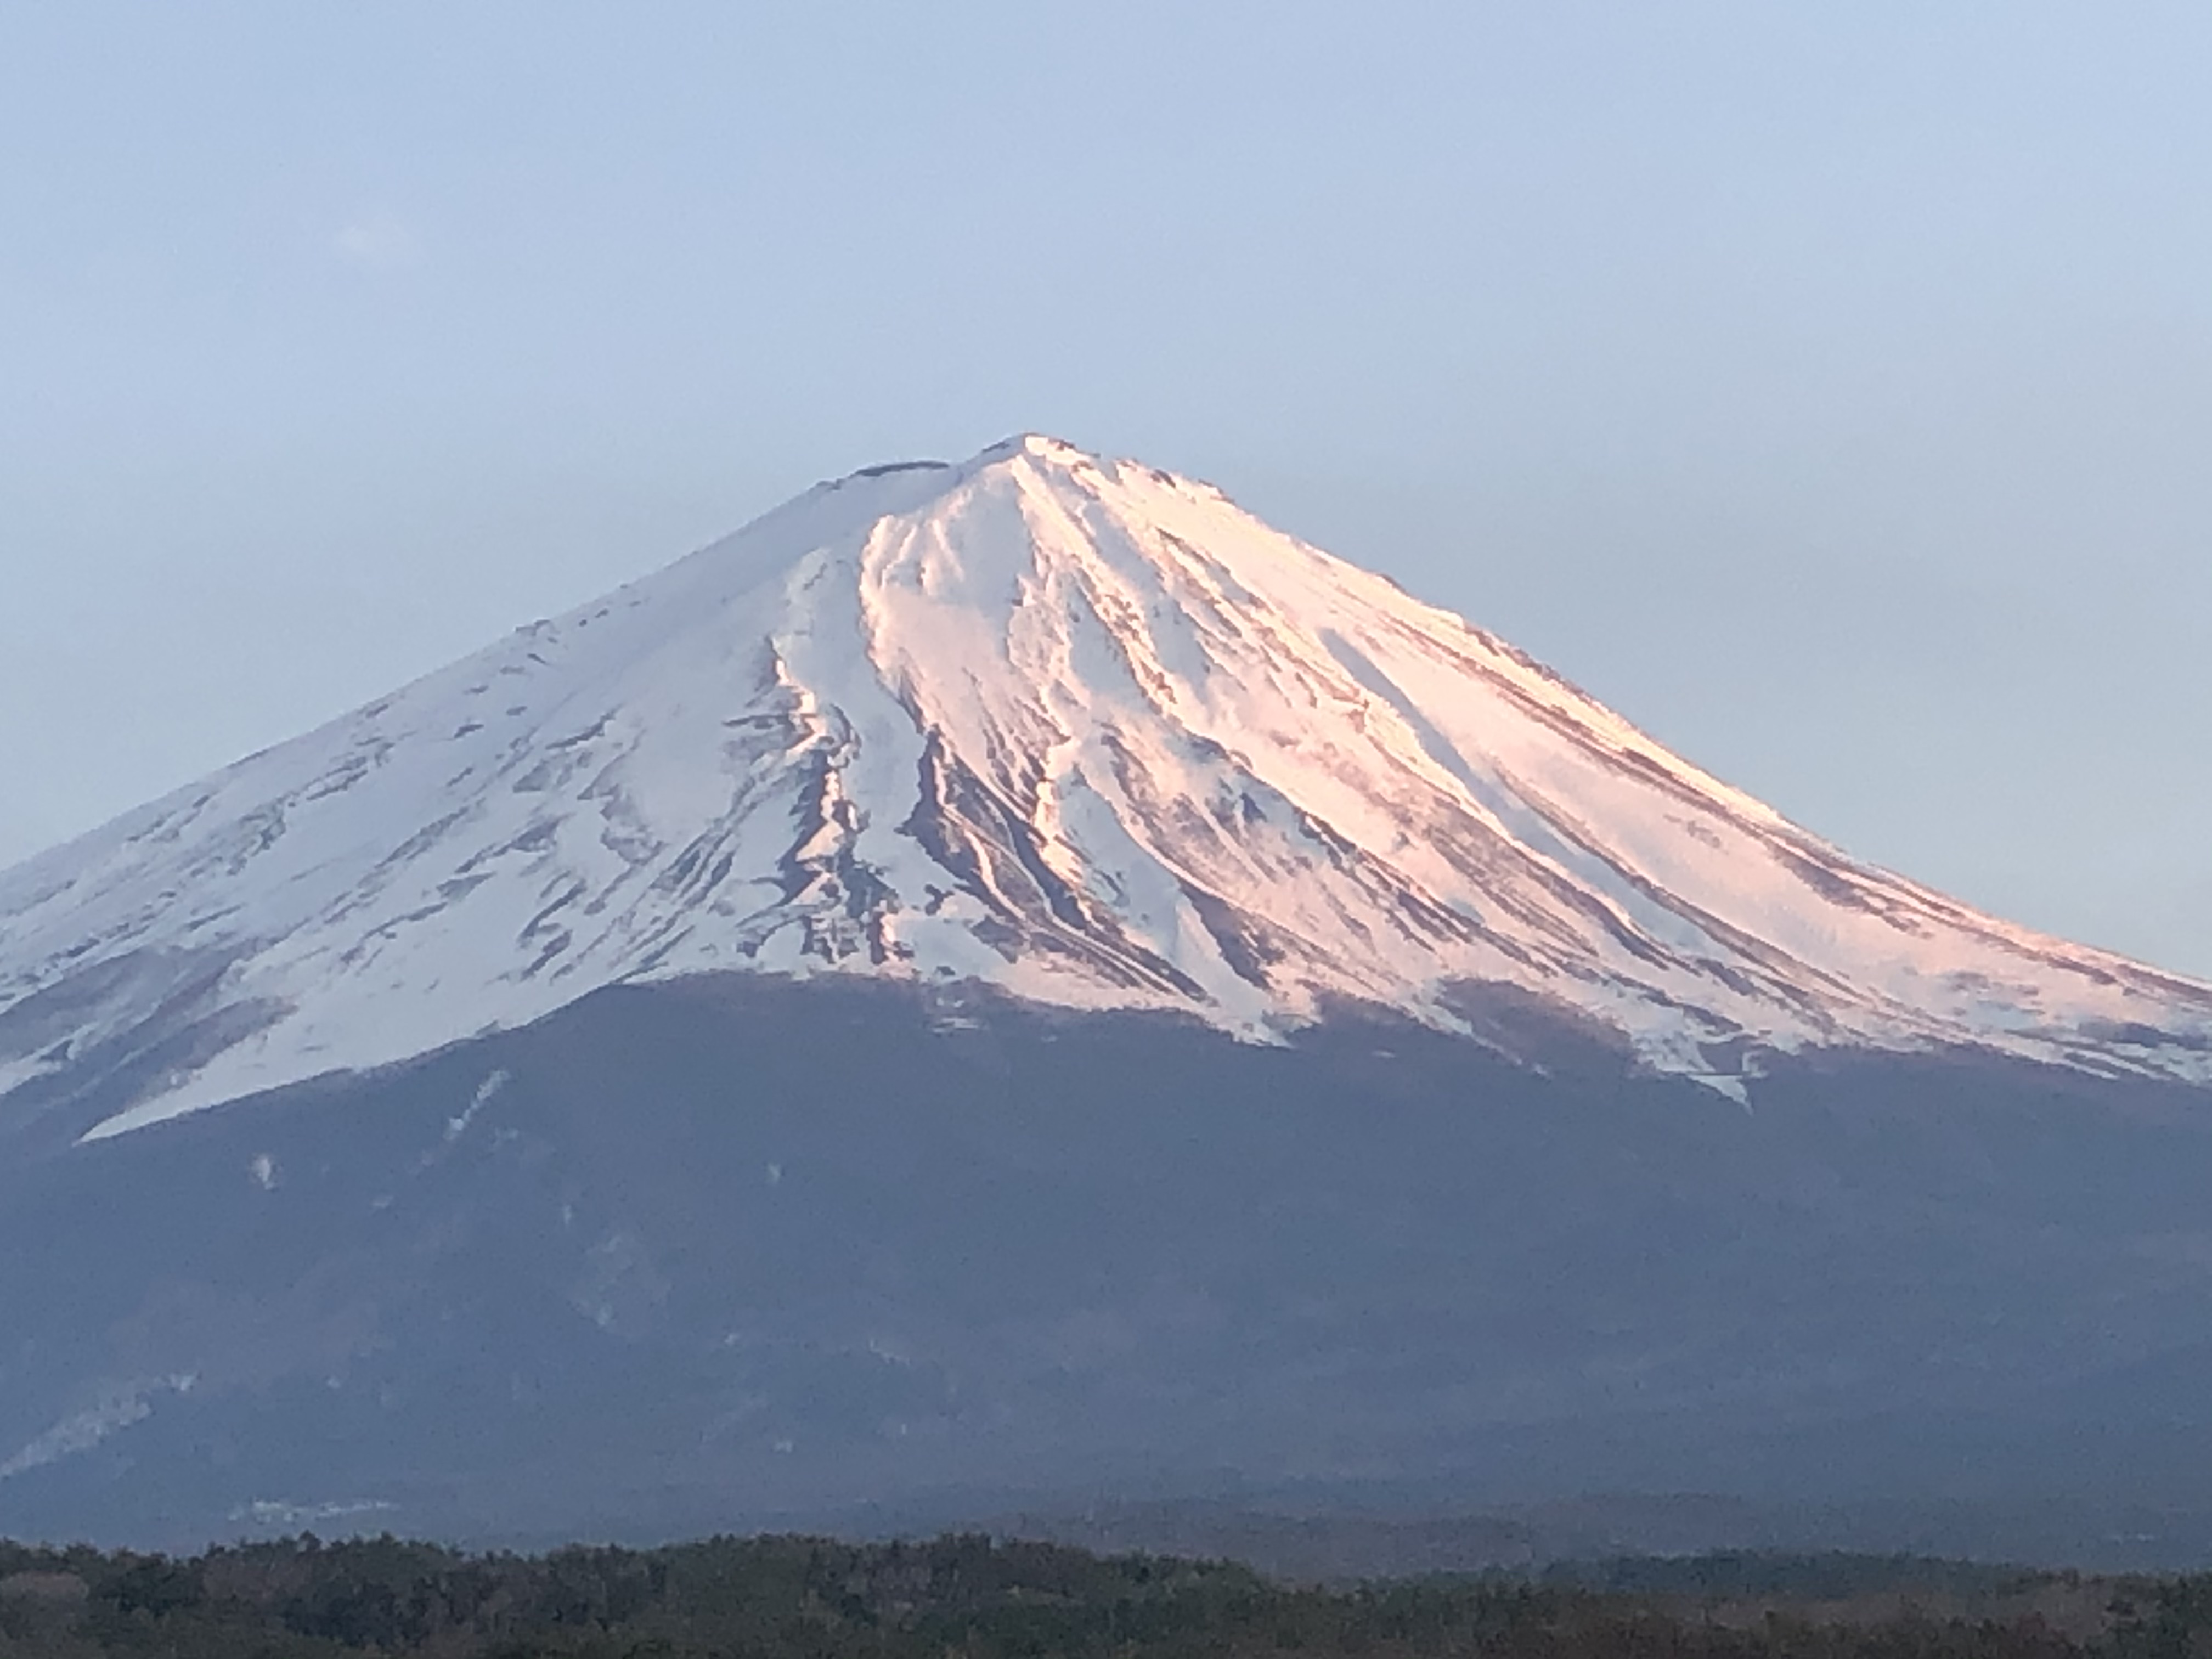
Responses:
[1077,728]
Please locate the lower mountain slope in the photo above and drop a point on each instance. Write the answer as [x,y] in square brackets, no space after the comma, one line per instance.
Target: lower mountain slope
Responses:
[734,1251]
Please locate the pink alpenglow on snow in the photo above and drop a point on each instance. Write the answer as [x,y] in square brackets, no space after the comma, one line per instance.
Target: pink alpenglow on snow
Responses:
[1077,728]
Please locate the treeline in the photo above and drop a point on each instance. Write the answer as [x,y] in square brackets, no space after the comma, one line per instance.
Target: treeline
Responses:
[972,1597]
[1824,1575]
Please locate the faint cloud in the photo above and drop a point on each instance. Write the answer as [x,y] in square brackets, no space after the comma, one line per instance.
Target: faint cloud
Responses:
[378,241]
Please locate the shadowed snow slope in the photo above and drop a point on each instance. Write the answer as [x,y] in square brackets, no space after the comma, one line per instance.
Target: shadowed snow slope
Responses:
[1079,728]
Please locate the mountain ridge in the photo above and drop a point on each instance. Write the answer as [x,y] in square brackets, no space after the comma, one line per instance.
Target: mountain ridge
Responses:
[1077,728]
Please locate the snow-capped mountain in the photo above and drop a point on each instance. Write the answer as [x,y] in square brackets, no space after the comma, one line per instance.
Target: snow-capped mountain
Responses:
[1017,979]
[1079,729]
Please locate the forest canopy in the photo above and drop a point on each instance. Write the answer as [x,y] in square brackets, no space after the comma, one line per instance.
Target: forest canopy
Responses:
[976,1597]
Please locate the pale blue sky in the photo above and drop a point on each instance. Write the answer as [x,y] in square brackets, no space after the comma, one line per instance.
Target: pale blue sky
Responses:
[1829,388]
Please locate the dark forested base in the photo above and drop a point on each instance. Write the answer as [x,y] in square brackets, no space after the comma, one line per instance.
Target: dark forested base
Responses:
[972,1597]
[735,1252]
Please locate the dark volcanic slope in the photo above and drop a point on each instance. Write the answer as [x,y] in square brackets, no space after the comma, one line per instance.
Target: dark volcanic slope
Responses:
[734,1249]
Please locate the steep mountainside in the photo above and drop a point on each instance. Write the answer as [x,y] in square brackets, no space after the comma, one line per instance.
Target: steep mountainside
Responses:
[1077,729]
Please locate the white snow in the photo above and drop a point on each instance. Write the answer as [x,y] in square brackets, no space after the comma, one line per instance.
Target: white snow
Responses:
[119,1407]
[1074,726]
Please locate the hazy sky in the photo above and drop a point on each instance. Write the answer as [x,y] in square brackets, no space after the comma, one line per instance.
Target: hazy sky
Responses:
[1829,388]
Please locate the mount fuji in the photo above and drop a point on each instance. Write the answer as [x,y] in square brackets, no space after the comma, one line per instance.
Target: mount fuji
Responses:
[1017,979]
[1074,728]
